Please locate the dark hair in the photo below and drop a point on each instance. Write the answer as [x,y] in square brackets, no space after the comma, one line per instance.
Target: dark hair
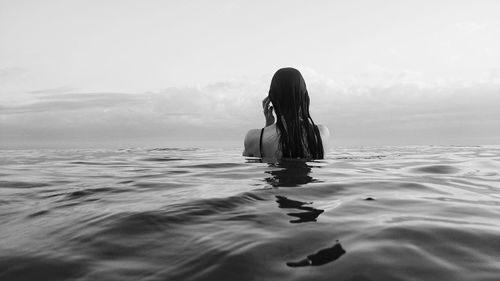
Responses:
[299,137]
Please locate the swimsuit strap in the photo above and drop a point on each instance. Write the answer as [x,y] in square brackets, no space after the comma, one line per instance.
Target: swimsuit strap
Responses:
[260,142]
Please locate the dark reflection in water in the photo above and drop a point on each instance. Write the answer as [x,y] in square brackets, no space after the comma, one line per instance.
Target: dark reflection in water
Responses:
[321,257]
[290,173]
[294,173]
[286,203]
[309,214]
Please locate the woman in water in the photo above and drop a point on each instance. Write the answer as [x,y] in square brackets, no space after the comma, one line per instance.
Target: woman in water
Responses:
[294,134]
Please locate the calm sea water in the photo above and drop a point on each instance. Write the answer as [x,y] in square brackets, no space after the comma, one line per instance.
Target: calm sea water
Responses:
[392,213]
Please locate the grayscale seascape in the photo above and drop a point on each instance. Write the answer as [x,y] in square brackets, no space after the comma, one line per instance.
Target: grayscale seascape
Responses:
[400,213]
[151,140]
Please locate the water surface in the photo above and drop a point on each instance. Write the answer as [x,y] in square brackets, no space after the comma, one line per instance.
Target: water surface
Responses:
[397,213]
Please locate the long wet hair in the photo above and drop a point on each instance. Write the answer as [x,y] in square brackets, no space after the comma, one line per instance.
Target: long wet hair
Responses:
[299,137]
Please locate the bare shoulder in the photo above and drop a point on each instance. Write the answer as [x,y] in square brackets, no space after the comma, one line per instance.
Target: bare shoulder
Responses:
[323,130]
[325,136]
[251,142]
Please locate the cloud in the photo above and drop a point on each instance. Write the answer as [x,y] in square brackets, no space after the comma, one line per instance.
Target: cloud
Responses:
[469,26]
[71,102]
[178,113]
[58,90]
[397,113]
[8,72]
[410,114]
[493,75]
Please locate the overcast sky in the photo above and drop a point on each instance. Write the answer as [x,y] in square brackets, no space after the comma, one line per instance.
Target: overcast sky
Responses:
[192,73]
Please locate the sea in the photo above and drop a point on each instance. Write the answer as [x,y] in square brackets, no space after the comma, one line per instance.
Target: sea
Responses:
[365,213]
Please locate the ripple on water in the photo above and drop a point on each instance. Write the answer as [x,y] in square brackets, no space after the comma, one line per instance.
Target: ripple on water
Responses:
[40,267]
[418,214]
[147,222]
[88,192]
[162,159]
[22,184]
[436,169]
[214,165]
[38,213]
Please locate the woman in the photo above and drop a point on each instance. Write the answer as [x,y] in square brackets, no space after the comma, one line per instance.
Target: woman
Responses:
[294,135]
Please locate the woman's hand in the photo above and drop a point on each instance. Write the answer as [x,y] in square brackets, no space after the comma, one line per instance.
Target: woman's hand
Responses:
[268,111]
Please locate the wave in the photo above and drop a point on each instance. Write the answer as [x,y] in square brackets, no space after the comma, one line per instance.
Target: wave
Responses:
[437,169]
[410,213]
[22,184]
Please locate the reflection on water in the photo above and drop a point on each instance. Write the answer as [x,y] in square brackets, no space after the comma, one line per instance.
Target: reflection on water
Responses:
[401,213]
[294,173]
[321,257]
[289,173]
[309,214]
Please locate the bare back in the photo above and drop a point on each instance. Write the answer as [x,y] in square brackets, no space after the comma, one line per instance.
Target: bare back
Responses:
[268,147]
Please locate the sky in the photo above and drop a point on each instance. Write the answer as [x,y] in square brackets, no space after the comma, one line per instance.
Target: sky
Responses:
[118,73]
